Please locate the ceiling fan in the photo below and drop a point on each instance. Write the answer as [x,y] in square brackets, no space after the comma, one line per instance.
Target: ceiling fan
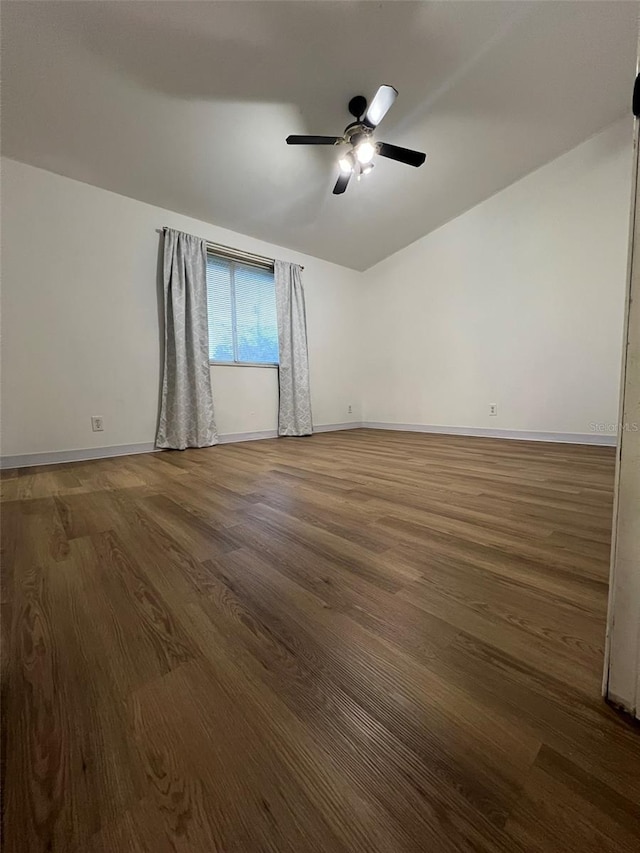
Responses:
[358,135]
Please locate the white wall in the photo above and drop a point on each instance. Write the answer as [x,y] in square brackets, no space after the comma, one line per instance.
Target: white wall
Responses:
[517,302]
[80,321]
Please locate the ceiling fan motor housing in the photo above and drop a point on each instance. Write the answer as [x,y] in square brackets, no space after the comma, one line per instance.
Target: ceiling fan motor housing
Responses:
[356,133]
[358,106]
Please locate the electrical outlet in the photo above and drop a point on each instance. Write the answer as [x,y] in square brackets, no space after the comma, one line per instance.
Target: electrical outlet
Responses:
[493,409]
[97,423]
[350,410]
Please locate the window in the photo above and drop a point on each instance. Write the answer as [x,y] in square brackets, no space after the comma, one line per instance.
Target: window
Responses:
[241,303]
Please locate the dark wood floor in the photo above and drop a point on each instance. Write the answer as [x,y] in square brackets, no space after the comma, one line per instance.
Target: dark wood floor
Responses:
[362,641]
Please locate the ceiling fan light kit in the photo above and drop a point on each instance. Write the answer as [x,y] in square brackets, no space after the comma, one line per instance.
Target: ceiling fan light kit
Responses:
[359,159]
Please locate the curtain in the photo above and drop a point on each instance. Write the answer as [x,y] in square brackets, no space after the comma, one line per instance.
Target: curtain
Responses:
[186,412]
[294,414]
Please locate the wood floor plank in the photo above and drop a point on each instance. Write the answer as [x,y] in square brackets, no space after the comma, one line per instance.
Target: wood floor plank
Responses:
[557,793]
[558,659]
[377,762]
[361,642]
[576,724]
[415,707]
[205,736]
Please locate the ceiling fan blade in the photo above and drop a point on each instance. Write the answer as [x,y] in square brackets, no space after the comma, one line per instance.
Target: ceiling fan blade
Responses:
[380,105]
[341,183]
[402,155]
[313,140]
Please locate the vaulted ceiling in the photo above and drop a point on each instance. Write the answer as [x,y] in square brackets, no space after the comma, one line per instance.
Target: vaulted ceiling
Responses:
[187,105]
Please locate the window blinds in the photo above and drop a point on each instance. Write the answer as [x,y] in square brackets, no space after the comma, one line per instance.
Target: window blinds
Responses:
[241,303]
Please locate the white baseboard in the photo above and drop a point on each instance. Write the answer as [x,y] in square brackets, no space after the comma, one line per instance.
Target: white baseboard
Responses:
[233,437]
[335,427]
[516,434]
[57,457]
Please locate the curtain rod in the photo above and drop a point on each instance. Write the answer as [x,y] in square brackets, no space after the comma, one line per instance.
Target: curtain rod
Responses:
[238,254]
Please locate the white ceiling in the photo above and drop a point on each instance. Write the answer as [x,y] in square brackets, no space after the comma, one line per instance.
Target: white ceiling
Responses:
[187,105]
